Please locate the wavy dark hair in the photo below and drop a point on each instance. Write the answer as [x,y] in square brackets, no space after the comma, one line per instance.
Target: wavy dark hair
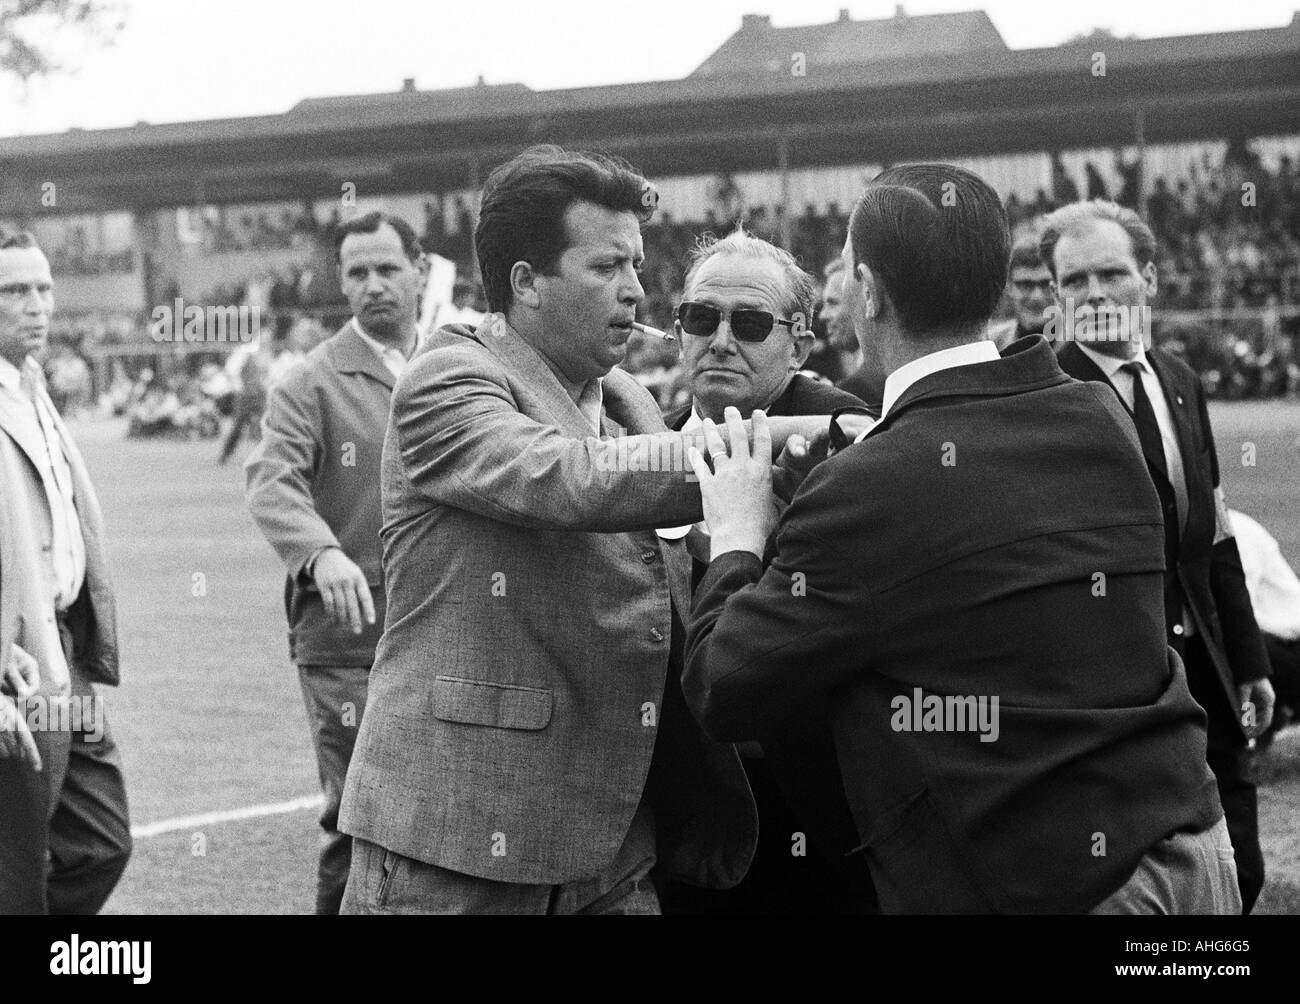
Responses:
[521,217]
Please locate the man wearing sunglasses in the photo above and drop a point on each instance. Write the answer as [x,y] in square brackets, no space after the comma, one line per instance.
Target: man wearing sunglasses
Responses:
[744,339]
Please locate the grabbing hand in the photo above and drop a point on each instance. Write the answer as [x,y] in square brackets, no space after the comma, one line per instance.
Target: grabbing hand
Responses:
[16,742]
[344,589]
[738,504]
[21,676]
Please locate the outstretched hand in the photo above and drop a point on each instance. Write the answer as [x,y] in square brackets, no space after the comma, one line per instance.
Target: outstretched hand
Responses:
[738,503]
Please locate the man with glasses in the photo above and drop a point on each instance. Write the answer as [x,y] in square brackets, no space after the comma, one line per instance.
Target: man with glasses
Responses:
[1030,292]
[744,339]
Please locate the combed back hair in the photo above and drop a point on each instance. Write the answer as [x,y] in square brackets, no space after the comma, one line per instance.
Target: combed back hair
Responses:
[16,239]
[1079,214]
[369,223]
[800,291]
[1025,253]
[521,217]
[936,237]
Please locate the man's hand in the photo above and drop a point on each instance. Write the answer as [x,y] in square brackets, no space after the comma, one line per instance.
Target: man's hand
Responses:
[796,462]
[21,676]
[344,589]
[738,503]
[16,742]
[1256,701]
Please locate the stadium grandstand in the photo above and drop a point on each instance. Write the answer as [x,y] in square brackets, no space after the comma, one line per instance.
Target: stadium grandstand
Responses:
[777,129]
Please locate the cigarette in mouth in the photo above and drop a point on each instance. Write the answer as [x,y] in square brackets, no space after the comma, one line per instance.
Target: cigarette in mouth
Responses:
[647,330]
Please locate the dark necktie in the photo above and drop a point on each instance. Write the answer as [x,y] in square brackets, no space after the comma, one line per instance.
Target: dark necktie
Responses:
[1153,449]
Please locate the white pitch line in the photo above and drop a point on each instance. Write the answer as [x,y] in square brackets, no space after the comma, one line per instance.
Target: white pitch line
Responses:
[227,816]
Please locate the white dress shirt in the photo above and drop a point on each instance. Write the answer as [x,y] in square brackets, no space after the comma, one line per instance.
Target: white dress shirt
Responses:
[1123,382]
[389,355]
[903,377]
[68,548]
[1273,586]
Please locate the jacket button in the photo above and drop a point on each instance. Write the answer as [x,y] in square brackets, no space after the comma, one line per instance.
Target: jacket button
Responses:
[1178,629]
[648,556]
[656,634]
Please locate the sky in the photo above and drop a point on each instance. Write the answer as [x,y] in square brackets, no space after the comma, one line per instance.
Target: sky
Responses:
[187,60]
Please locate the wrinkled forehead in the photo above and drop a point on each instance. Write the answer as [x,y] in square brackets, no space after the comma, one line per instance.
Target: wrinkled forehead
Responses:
[736,280]
[23,265]
[381,247]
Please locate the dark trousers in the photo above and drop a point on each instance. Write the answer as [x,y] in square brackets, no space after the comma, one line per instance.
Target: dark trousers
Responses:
[65,834]
[1232,762]
[248,413]
[336,699]
[779,881]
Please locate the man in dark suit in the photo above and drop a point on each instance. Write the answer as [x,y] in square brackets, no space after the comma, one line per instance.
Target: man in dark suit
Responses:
[804,826]
[1101,256]
[313,488]
[975,587]
[65,834]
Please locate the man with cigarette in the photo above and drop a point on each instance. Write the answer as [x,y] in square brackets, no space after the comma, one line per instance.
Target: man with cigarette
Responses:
[526,748]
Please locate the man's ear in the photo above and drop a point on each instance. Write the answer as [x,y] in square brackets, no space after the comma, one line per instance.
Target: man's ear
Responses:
[870,295]
[523,284]
[1149,275]
[803,345]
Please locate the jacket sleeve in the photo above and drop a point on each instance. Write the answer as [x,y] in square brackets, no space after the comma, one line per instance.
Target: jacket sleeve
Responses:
[281,469]
[1242,642]
[761,642]
[465,443]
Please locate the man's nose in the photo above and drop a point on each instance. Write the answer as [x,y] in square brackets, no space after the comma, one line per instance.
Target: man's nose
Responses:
[374,283]
[723,341]
[1095,292]
[632,292]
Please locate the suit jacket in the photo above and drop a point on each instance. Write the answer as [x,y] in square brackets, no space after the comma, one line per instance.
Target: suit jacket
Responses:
[802,396]
[27,615]
[1208,578]
[857,384]
[517,707]
[954,553]
[800,752]
[313,482]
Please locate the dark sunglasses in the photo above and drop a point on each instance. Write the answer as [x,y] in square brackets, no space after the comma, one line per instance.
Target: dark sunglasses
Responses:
[702,320]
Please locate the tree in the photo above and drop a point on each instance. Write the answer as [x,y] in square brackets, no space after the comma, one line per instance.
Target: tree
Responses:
[29,30]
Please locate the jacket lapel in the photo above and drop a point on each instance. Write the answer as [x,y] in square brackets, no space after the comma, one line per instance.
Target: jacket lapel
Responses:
[19,430]
[1178,408]
[521,359]
[352,355]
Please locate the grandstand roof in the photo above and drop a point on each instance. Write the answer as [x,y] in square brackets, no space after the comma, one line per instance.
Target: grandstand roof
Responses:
[971,102]
[758,46]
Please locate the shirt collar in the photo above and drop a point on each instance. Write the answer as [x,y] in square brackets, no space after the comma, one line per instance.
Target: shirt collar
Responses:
[1110,365]
[9,375]
[897,382]
[380,348]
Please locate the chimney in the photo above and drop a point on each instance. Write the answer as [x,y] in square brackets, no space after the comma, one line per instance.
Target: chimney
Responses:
[755,22]
[408,85]
[844,14]
[900,15]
